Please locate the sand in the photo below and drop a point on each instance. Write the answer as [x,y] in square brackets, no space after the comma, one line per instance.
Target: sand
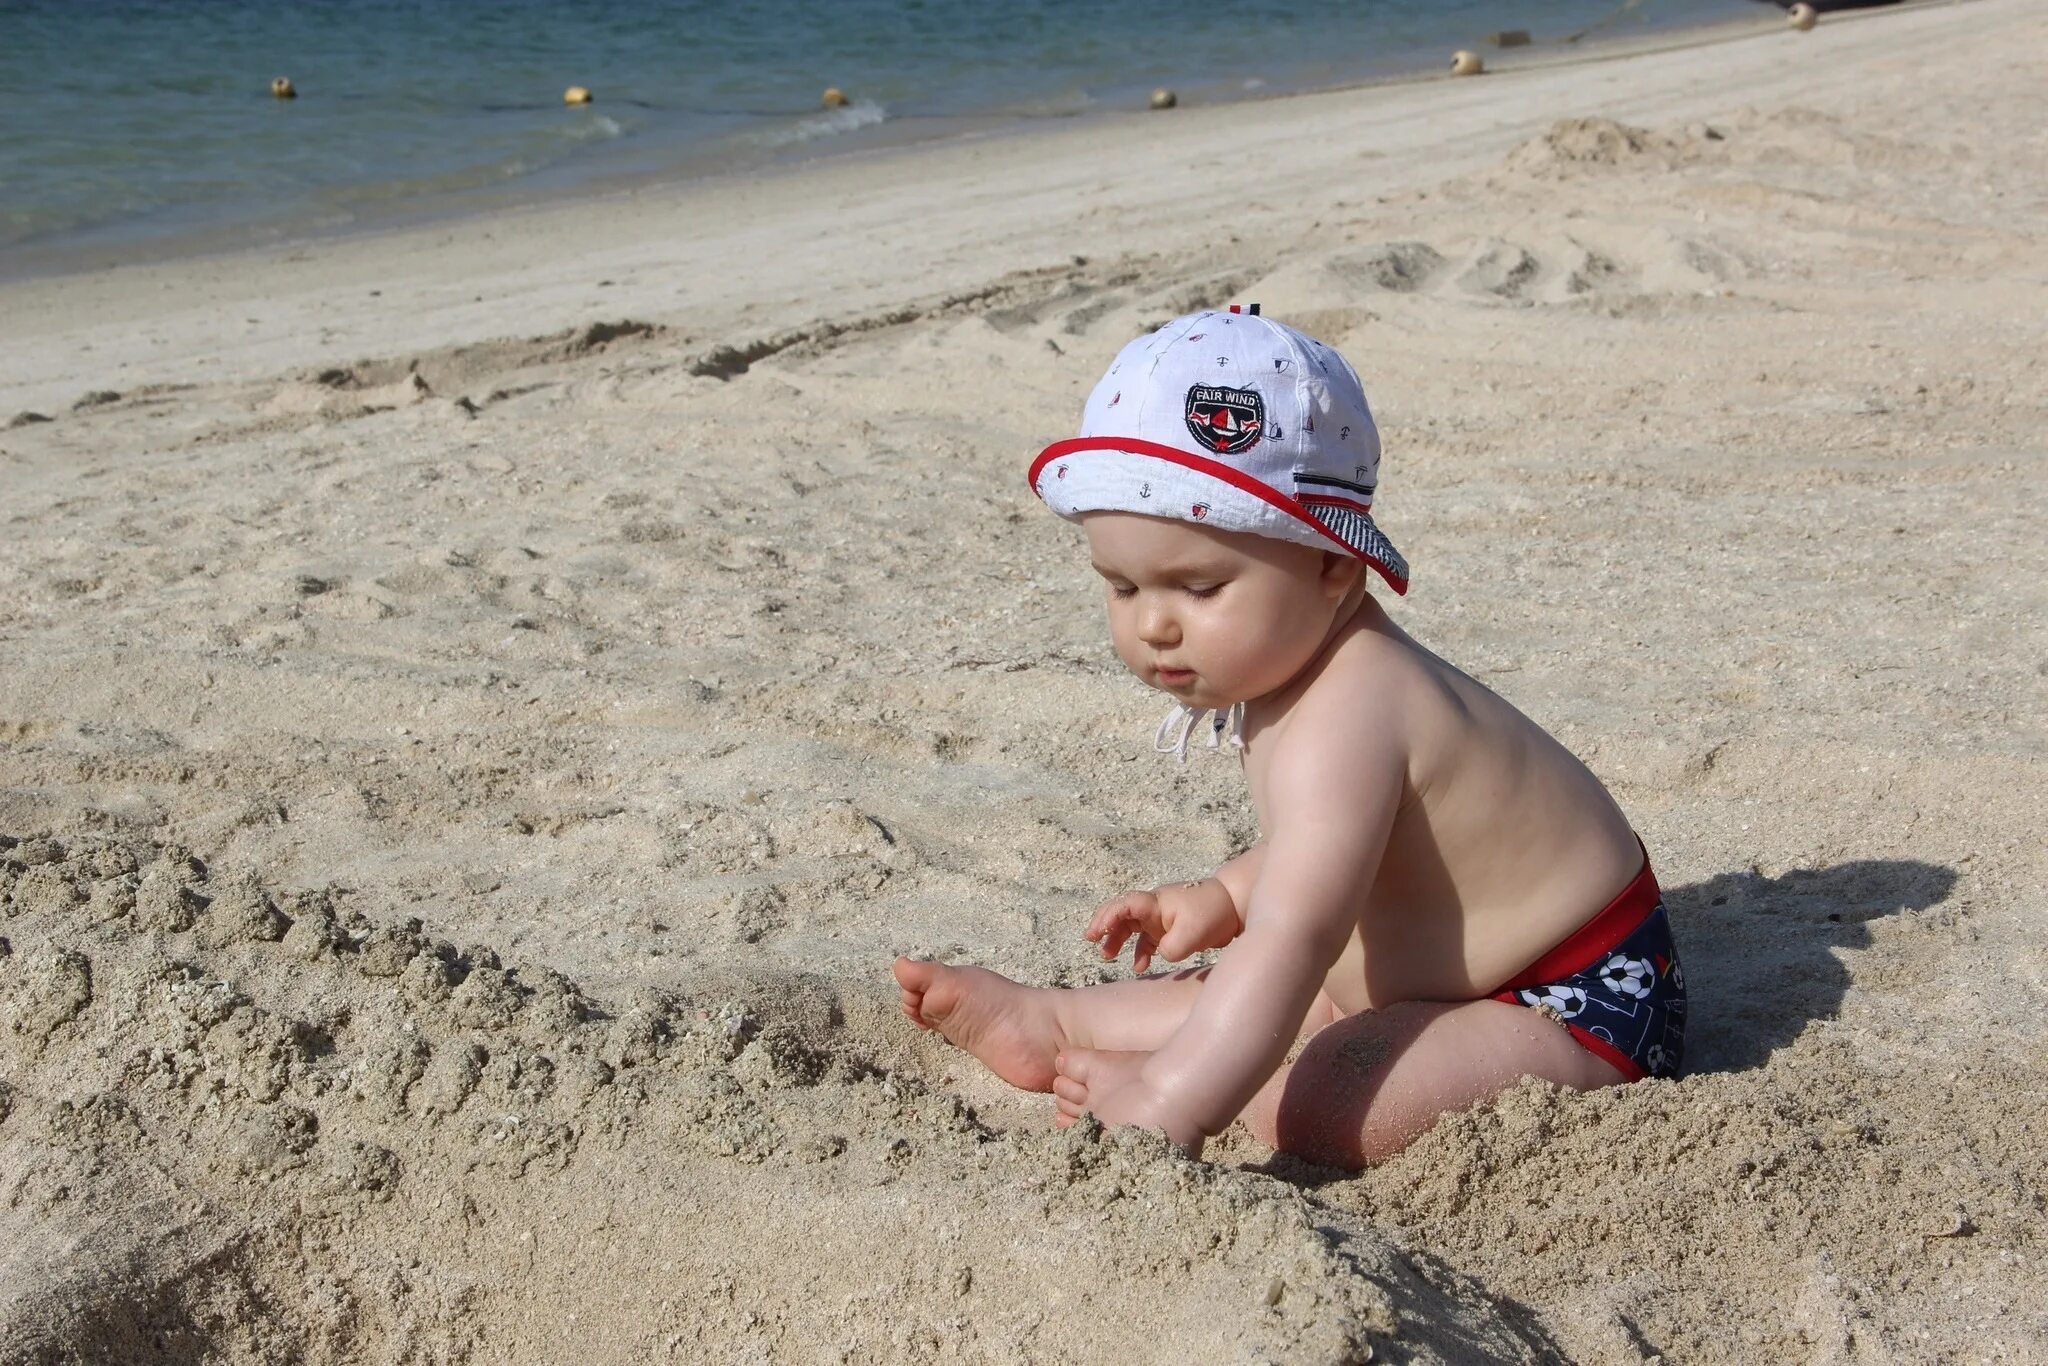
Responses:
[480,707]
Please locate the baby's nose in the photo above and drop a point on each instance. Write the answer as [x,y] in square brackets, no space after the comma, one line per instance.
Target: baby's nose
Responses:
[1158,626]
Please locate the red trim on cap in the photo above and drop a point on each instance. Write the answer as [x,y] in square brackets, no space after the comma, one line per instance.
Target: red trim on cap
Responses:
[1595,939]
[1201,464]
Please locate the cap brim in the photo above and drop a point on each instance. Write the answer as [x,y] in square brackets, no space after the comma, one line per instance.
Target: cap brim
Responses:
[1242,502]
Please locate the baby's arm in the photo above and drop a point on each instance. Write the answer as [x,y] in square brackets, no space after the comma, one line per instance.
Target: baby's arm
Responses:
[1179,918]
[1329,810]
[1240,875]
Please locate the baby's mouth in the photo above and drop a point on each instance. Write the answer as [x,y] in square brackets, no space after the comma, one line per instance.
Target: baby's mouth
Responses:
[1173,678]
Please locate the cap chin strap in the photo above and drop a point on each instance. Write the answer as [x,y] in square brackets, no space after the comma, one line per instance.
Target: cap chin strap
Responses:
[1229,720]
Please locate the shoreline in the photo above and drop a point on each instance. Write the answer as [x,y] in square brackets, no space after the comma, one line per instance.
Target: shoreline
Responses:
[540,268]
[107,246]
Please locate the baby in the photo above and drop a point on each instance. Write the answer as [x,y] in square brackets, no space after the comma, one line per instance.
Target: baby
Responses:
[1444,900]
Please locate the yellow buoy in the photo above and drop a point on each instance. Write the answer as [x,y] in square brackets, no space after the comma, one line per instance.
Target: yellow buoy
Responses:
[1465,63]
[1802,17]
[834,98]
[1163,98]
[281,86]
[576,94]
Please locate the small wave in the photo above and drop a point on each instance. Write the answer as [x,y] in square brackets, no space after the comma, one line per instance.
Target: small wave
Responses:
[596,126]
[831,123]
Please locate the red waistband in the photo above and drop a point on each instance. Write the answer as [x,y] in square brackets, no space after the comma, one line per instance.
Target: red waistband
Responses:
[1586,945]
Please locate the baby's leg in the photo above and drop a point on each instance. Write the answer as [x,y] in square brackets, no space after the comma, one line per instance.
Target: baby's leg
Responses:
[1370,1084]
[1018,1031]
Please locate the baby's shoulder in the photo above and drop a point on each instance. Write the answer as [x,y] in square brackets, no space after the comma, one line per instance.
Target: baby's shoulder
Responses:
[1383,693]
[1374,677]
[1349,726]
[1376,708]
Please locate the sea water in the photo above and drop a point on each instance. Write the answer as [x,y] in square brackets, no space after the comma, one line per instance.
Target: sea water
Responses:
[137,124]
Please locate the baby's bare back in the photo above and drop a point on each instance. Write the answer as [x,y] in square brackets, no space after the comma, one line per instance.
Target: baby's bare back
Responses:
[1502,844]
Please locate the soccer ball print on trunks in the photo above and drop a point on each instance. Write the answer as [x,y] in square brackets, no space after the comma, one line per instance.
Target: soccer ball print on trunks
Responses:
[1626,976]
[1567,1001]
[1629,999]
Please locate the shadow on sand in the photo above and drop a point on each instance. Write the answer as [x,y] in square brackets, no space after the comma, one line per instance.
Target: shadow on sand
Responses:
[1760,965]
[1760,959]
[1760,952]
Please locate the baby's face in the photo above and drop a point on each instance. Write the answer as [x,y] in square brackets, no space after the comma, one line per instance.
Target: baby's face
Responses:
[1214,617]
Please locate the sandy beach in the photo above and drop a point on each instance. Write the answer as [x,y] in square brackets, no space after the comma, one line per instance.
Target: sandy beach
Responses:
[481,705]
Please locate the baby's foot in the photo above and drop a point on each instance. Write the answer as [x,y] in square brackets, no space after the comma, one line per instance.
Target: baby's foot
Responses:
[1082,1072]
[1007,1025]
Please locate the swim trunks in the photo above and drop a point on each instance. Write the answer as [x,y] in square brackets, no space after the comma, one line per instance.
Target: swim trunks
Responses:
[1615,984]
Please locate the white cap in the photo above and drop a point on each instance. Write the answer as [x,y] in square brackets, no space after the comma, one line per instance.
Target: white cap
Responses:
[1230,420]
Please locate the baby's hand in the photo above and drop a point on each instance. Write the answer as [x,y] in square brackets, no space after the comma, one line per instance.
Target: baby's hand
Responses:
[1171,922]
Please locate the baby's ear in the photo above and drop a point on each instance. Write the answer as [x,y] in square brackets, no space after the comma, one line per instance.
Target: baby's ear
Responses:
[1340,573]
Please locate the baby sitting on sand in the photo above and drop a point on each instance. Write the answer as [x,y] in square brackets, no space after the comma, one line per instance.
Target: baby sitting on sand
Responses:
[1444,901]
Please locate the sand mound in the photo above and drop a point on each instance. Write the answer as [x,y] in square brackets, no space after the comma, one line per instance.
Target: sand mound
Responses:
[1588,145]
[1339,296]
[248,1127]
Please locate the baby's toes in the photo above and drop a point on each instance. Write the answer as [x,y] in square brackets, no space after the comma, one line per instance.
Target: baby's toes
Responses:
[1071,1094]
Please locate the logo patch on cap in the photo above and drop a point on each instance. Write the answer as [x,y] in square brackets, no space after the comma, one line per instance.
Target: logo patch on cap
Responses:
[1225,420]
